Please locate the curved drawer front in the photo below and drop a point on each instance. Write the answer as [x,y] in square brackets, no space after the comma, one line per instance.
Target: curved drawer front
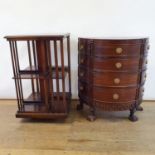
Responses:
[143,77]
[119,64]
[115,79]
[82,45]
[83,73]
[141,92]
[83,60]
[114,94]
[116,50]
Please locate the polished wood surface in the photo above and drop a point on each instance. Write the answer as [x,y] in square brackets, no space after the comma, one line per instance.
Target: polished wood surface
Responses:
[110,134]
[112,73]
[37,37]
[46,69]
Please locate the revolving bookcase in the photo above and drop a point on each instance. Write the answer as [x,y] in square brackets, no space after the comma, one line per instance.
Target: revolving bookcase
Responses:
[42,74]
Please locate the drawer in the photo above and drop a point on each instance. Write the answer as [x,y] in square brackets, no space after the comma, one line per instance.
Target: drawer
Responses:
[116,50]
[83,89]
[115,79]
[141,92]
[144,62]
[114,94]
[82,46]
[143,77]
[118,64]
[83,59]
[83,73]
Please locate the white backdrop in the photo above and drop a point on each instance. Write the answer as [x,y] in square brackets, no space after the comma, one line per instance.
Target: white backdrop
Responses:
[98,18]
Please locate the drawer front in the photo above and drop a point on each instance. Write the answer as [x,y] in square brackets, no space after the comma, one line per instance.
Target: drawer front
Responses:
[83,89]
[82,46]
[116,50]
[144,62]
[141,92]
[143,77]
[116,64]
[114,94]
[83,73]
[83,60]
[115,79]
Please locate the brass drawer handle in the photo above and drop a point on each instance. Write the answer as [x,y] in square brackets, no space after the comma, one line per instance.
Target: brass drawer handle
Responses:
[117,80]
[118,65]
[115,96]
[81,74]
[119,50]
[146,62]
[81,60]
[81,47]
[81,88]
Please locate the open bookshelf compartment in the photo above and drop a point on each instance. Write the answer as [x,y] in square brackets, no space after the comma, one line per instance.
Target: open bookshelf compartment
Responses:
[48,73]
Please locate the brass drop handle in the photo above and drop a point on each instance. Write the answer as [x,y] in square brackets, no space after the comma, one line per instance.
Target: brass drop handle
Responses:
[115,96]
[119,50]
[81,60]
[118,65]
[117,80]
[82,74]
[81,47]
[146,62]
[81,88]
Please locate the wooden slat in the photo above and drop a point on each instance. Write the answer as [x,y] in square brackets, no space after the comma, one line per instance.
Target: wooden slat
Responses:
[56,66]
[63,73]
[15,72]
[30,63]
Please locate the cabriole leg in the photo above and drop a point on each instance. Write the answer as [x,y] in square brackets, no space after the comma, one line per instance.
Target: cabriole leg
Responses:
[132,117]
[91,116]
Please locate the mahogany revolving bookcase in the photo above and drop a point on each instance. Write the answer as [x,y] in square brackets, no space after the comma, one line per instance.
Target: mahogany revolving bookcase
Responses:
[42,74]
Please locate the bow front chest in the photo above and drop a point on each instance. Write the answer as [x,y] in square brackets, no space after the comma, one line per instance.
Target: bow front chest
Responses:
[111,74]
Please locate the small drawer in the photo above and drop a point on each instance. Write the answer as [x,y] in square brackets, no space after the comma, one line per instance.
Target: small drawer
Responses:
[144,62]
[143,77]
[116,50]
[83,73]
[115,79]
[83,60]
[82,46]
[141,92]
[83,89]
[117,64]
[147,48]
[114,94]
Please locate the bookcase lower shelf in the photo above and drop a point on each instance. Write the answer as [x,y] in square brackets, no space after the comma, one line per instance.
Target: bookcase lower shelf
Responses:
[41,115]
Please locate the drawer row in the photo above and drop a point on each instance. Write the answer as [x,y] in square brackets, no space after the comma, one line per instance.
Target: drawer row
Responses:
[112,78]
[118,64]
[110,95]
[102,49]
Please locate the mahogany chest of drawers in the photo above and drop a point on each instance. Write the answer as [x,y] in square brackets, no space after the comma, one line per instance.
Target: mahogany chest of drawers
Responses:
[111,74]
